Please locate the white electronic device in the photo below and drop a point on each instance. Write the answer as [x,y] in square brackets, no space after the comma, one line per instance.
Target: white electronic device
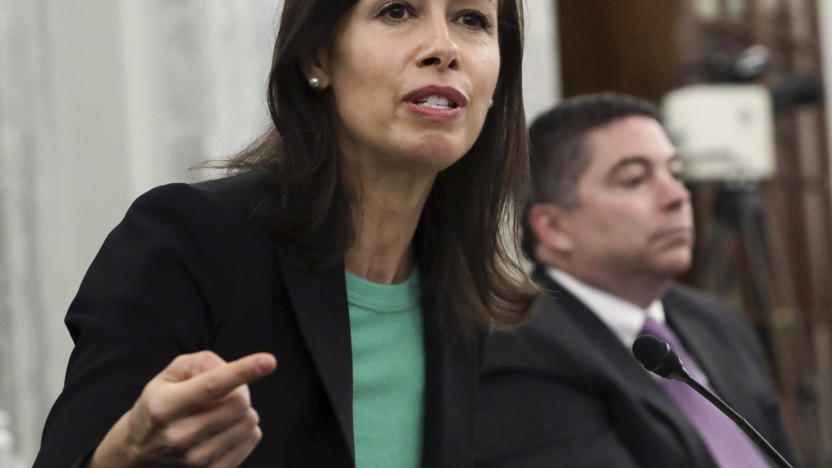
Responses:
[722,131]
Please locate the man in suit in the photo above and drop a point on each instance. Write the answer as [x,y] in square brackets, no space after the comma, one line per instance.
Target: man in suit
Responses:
[609,226]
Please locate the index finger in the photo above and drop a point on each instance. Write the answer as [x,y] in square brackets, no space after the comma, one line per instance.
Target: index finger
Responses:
[215,384]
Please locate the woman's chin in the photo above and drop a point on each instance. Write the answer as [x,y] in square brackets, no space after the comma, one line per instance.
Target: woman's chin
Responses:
[436,161]
[437,154]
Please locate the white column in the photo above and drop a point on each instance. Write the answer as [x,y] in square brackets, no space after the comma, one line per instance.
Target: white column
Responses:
[825,23]
[541,58]
[25,136]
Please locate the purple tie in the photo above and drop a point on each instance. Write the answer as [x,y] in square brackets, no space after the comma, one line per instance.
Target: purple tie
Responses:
[729,446]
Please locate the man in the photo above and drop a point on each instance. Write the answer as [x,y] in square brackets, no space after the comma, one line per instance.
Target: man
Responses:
[610,226]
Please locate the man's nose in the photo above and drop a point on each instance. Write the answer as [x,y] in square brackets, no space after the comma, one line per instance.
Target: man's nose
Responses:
[674,194]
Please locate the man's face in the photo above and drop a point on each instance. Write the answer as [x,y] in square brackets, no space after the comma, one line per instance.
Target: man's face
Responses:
[633,215]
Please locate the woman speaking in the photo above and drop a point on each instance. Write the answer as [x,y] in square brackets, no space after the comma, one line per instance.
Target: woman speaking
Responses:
[322,306]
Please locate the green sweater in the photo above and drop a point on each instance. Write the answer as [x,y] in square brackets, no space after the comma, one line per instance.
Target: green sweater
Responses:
[388,369]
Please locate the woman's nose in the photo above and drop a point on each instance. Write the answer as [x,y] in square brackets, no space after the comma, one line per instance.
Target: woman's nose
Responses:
[440,48]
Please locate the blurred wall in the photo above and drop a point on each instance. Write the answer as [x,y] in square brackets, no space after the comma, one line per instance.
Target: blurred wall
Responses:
[541,64]
[825,19]
[101,100]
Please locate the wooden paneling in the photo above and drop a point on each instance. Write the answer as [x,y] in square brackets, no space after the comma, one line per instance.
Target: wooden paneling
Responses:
[635,45]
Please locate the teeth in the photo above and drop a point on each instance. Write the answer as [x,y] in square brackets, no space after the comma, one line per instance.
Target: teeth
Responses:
[438,102]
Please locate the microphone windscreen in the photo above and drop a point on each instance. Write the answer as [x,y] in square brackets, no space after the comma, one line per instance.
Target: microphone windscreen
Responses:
[655,355]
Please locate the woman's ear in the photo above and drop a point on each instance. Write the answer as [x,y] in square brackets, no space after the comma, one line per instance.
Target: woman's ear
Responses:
[314,64]
[549,223]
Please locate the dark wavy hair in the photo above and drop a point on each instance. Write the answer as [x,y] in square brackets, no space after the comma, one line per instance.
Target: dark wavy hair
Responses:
[465,244]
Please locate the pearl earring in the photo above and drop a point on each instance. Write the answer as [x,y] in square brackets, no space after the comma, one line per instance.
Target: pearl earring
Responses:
[314,82]
[491,103]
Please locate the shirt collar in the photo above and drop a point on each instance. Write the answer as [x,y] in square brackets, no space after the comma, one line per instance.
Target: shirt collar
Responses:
[625,319]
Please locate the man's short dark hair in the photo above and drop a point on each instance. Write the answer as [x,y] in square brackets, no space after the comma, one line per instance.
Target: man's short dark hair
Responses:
[558,136]
[558,159]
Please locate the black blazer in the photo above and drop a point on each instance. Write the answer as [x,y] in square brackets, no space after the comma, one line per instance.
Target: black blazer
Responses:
[191,267]
[564,391]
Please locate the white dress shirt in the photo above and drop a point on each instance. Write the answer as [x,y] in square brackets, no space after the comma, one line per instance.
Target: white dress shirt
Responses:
[625,319]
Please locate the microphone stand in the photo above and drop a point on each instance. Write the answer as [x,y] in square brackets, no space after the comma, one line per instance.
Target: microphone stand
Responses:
[659,358]
[746,427]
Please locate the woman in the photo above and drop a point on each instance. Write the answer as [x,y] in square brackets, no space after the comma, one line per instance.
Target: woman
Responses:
[359,246]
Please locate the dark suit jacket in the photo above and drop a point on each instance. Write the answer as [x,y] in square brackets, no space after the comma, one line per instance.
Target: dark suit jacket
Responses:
[564,391]
[191,267]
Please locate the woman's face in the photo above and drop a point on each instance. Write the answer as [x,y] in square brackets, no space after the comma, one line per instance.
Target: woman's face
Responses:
[412,80]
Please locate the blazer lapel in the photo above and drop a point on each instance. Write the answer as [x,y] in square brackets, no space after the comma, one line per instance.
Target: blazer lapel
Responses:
[714,357]
[319,300]
[623,367]
[451,374]
[705,351]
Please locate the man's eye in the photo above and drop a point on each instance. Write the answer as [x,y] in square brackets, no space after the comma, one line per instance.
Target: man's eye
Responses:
[632,182]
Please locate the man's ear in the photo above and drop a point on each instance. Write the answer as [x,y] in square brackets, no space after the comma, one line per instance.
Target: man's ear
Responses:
[549,224]
[315,63]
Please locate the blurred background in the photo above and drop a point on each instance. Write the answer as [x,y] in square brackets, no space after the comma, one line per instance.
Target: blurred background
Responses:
[102,99]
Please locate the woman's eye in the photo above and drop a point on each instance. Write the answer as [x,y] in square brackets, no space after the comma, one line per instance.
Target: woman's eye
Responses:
[394,12]
[475,20]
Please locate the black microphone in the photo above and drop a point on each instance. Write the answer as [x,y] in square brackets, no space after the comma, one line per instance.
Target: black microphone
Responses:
[658,357]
